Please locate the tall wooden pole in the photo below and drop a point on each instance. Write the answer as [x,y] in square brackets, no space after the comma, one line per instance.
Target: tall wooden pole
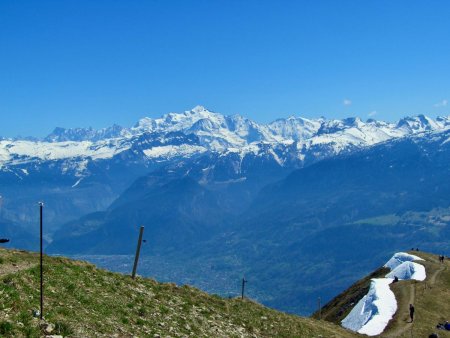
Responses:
[138,251]
[41,205]
[243,287]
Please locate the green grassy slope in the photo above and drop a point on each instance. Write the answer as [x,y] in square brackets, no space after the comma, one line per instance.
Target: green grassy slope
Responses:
[83,301]
[431,299]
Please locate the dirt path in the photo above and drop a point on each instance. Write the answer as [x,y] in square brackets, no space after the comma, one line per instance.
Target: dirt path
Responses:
[436,273]
[408,326]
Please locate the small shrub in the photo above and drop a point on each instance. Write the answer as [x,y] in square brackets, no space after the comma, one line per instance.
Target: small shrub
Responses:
[6,327]
[142,311]
[63,329]
[71,288]
[8,281]
[24,317]
[164,310]
[31,331]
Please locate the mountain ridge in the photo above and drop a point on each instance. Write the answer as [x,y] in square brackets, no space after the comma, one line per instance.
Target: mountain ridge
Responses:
[102,163]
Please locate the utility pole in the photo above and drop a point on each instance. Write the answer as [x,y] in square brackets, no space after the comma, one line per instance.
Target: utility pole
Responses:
[41,205]
[243,287]
[138,251]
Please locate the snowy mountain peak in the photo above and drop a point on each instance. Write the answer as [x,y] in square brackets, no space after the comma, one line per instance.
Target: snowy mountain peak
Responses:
[85,134]
[303,139]
[295,128]
[144,123]
[353,122]
[199,109]
[418,123]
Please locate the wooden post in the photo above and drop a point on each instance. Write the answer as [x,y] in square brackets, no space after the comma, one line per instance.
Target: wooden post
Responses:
[243,287]
[41,205]
[138,251]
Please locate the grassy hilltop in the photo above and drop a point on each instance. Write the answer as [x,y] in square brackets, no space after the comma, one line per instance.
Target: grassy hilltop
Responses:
[431,299]
[84,301]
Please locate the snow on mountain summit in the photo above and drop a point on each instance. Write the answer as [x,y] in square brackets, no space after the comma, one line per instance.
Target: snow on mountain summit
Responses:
[177,121]
[419,123]
[295,140]
[216,131]
[296,128]
[219,132]
[85,134]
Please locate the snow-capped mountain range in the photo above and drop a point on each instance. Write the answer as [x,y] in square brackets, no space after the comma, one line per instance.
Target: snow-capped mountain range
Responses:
[299,138]
[85,170]
[236,194]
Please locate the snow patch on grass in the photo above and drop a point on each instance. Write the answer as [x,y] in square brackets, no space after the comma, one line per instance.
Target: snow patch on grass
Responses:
[373,312]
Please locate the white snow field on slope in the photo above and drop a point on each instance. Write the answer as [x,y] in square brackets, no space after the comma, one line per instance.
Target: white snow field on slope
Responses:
[399,258]
[408,270]
[373,312]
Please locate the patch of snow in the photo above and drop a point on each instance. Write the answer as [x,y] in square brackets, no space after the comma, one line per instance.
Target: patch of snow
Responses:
[373,312]
[446,141]
[173,151]
[59,150]
[408,270]
[77,182]
[399,258]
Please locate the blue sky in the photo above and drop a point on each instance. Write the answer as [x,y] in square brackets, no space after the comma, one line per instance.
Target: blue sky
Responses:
[95,63]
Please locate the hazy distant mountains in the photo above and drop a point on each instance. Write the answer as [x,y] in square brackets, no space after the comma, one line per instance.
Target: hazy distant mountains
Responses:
[223,196]
[213,132]
[78,171]
[288,236]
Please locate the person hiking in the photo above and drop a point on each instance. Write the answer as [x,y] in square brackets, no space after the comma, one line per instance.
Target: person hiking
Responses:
[411,312]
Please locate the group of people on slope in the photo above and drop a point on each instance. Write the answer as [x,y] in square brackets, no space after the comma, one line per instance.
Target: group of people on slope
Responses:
[443,326]
[440,326]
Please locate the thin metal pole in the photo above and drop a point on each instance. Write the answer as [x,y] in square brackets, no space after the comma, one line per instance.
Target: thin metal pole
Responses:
[138,251]
[243,287]
[41,205]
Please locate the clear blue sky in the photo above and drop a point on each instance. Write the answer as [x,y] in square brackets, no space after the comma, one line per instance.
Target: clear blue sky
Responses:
[94,63]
